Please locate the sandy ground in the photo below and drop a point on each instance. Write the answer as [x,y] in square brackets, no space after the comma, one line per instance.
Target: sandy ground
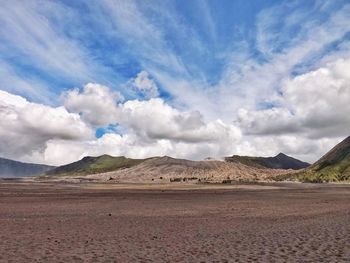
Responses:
[52,222]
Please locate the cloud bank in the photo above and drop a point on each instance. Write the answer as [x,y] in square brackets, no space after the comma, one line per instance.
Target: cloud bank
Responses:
[40,133]
[155,79]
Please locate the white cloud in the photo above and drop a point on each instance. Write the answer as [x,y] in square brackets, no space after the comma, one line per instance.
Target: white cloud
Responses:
[26,127]
[300,147]
[42,41]
[96,103]
[310,107]
[29,87]
[145,85]
[153,129]
[131,145]
[28,30]
[39,133]
[138,31]
[314,107]
[315,103]
[154,119]
[255,82]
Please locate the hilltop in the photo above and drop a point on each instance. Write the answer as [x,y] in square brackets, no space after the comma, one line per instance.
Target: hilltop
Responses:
[93,165]
[166,169]
[334,166]
[11,168]
[280,161]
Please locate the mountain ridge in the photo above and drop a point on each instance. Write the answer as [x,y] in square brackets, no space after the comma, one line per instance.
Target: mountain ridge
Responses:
[334,166]
[92,165]
[12,168]
[167,169]
[280,161]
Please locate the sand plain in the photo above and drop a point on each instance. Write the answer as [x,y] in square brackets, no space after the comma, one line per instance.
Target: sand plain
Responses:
[65,222]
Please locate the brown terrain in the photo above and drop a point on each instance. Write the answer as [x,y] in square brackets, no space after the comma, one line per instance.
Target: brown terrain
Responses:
[90,222]
[166,169]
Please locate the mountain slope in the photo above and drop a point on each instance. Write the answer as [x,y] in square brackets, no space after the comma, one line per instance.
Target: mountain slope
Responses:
[10,168]
[280,161]
[92,165]
[166,169]
[334,166]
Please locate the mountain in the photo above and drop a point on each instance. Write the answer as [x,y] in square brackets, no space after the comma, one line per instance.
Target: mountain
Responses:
[93,165]
[10,168]
[166,169]
[280,161]
[334,166]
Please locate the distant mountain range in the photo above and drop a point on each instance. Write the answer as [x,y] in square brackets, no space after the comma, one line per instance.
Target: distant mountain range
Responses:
[10,168]
[161,169]
[334,166]
[93,165]
[236,168]
[106,163]
[280,161]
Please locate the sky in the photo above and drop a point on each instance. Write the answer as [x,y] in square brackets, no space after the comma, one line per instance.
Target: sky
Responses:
[187,79]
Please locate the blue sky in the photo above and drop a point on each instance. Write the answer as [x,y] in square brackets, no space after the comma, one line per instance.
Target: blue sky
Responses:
[109,42]
[218,58]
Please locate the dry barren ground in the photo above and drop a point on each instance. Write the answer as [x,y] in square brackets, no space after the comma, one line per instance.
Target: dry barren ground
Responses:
[104,223]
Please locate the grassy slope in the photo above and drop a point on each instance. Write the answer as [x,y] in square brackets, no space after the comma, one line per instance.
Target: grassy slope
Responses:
[246,160]
[332,167]
[93,165]
[280,161]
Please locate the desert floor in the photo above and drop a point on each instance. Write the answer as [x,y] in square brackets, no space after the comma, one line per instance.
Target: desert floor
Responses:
[56,222]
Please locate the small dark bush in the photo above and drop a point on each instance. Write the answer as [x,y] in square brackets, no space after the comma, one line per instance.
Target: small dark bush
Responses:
[227,181]
[192,178]
[175,179]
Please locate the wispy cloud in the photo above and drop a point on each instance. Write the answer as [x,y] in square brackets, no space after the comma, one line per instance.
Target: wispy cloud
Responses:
[141,35]
[34,38]
[256,82]
[27,30]
[32,88]
[198,58]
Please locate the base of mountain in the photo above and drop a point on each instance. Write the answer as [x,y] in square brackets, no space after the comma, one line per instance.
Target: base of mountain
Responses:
[332,167]
[308,176]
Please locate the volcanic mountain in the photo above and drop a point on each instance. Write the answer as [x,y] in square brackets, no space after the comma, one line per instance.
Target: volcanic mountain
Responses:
[11,168]
[280,161]
[334,166]
[161,170]
[93,165]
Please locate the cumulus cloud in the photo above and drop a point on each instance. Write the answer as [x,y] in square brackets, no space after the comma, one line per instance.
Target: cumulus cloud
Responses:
[154,119]
[300,147]
[133,146]
[145,85]
[320,99]
[26,127]
[96,103]
[39,133]
[313,114]
[315,103]
[153,128]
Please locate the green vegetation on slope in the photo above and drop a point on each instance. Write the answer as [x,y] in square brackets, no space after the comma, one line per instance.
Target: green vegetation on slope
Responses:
[93,165]
[280,161]
[332,167]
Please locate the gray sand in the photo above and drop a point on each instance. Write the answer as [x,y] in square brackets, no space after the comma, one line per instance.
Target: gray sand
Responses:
[102,223]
